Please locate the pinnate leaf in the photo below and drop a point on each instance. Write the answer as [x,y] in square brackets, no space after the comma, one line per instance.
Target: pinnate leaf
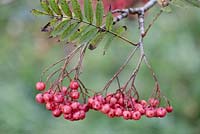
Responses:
[77,9]
[99,13]
[88,10]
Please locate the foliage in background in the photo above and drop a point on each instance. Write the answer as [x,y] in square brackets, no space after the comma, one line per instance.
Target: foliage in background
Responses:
[174,50]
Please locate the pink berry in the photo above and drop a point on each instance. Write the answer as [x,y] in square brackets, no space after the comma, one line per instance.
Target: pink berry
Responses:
[47,97]
[121,101]
[76,115]
[90,101]
[74,94]
[67,116]
[58,98]
[64,90]
[161,112]
[75,105]
[118,112]
[56,113]
[49,106]
[150,113]
[136,115]
[118,95]
[100,98]
[96,105]
[169,109]
[82,115]
[126,115]
[111,113]
[113,100]
[66,109]
[143,103]
[40,86]
[108,97]
[74,85]
[139,108]
[105,108]
[39,98]
[154,102]
[84,107]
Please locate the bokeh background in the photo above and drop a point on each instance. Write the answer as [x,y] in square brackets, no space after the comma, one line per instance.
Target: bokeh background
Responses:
[173,48]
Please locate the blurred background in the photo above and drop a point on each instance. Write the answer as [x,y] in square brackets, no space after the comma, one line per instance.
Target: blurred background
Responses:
[172,46]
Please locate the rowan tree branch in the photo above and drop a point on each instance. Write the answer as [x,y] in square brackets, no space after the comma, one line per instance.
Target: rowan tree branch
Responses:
[124,13]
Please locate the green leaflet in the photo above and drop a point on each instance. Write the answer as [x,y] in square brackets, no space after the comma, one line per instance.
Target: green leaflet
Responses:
[120,30]
[108,43]
[65,8]
[78,33]
[69,30]
[59,28]
[37,12]
[99,13]
[77,9]
[109,21]
[45,5]
[97,39]
[88,35]
[55,7]
[88,10]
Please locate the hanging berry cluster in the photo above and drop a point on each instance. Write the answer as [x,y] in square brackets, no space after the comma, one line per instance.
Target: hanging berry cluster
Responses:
[66,102]
[71,25]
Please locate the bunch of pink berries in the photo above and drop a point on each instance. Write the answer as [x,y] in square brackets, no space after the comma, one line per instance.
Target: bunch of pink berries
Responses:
[119,105]
[66,102]
[63,102]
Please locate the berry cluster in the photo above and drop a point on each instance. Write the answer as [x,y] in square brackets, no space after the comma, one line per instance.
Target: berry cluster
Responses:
[119,104]
[63,102]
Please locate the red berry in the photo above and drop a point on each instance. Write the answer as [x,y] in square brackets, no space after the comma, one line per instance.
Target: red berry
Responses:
[169,109]
[66,109]
[74,94]
[39,98]
[121,101]
[64,90]
[75,105]
[76,115]
[108,97]
[47,97]
[90,101]
[136,115]
[118,112]
[111,113]
[139,108]
[96,105]
[150,113]
[118,95]
[84,107]
[113,100]
[105,108]
[67,116]
[161,112]
[56,113]
[154,102]
[126,115]
[143,103]
[49,106]
[100,98]
[82,114]
[74,85]
[40,86]
[58,98]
